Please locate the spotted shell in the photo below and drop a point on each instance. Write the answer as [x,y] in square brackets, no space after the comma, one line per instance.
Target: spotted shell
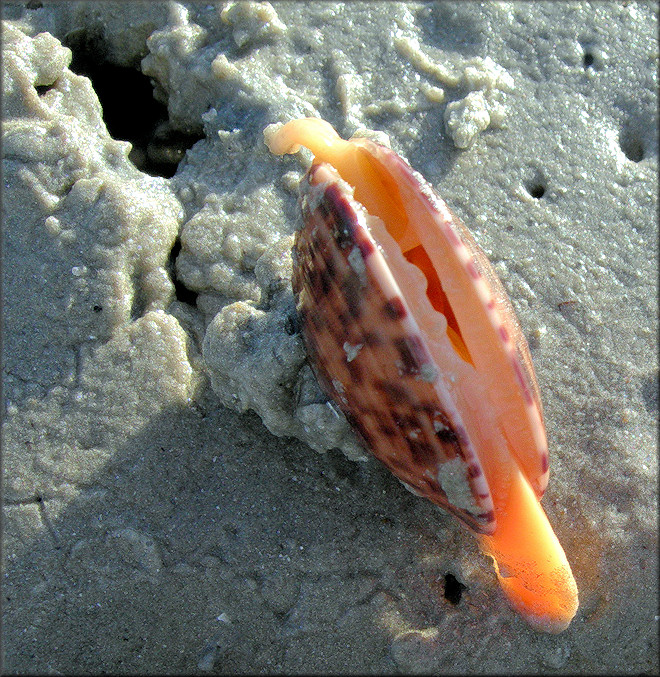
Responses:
[371,357]
[411,333]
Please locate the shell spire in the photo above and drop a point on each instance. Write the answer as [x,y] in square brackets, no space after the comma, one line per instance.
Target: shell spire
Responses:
[411,333]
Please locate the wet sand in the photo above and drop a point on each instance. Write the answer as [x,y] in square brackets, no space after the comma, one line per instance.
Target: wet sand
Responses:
[164,511]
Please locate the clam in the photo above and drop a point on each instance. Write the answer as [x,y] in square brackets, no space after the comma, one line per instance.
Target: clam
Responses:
[411,333]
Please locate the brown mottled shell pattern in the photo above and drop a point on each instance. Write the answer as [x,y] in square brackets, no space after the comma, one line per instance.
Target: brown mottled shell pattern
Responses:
[368,354]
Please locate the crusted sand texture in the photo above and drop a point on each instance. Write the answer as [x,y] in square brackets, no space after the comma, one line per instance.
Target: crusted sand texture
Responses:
[92,234]
[142,511]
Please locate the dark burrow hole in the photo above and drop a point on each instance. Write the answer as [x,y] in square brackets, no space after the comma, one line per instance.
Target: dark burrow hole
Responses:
[631,144]
[42,89]
[453,589]
[536,189]
[292,324]
[139,304]
[650,393]
[588,60]
[130,111]
[181,292]
[592,58]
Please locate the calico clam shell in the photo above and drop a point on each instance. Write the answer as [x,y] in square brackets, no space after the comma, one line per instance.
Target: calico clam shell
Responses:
[411,333]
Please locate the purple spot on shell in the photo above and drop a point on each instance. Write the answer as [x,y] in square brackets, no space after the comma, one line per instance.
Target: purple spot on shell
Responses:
[523,384]
[446,435]
[330,265]
[487,516]
[544,463]
[367,247]
[404,423]
[422,452]
[474,471]
[472,270]
[341,217]
[409,348]
[504,334]
[387,430]
[372,339]
[325,280]
[395,309]
[394,393]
